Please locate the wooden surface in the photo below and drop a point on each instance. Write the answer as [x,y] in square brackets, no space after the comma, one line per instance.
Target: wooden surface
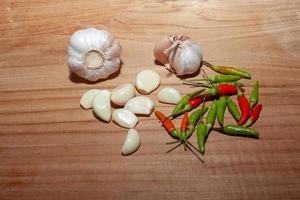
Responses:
[50,148]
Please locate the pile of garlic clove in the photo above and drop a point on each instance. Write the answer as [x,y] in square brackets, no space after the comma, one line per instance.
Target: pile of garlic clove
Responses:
[102,102]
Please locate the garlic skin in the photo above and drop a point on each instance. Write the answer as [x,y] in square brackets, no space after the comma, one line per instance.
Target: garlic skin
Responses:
[140,105]
[124,118]
[121,94]
[159,49]
[184,55]
[86,100]
[94,54]
[147,81]
[102,106]
[132,142]
[169,95]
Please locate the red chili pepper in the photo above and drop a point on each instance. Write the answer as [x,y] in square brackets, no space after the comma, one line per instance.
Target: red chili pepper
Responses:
[167,124]
[226,89]
[196,101]
[253,115]
[193,103]
[184,122]
[222,89]
[244,107]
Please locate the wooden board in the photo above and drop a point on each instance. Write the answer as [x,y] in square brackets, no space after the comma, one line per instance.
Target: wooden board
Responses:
[50,148]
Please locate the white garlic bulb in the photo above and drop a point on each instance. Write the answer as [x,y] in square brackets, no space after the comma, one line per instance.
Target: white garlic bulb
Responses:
[94,54]
[184,55]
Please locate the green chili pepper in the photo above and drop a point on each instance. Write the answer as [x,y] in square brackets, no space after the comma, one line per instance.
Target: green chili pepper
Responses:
[233,83]
[219,78]
[211,117]
[184,100]
[230,71]
[221,106]
[254,95]
[237,131]
[233,109]
[201,137]
[207,85]
[193,119]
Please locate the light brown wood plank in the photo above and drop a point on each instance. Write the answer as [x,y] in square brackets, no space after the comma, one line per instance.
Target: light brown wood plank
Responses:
[50,148]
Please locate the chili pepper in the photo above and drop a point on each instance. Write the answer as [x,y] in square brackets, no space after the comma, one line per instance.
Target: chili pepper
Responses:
[238,84]
[254,95]
[221,106]
[167,124]
[244,107]
[219,78]
[237,130]
[184,122]
[194,118]
[184,100]
[220,90]
[254,115]
[201,137]
[192,103]
[230,71]
[233,109]
[211,117]
[206,85]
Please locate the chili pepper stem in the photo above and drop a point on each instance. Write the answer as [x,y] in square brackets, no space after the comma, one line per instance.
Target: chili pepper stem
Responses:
[173,142]
[173,148]
[206,63]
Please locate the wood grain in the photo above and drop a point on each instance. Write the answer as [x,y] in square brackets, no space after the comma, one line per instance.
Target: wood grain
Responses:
[50,148]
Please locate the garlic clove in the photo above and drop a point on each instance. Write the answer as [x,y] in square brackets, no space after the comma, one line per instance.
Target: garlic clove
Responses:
[169,95]
[147,81]
[140,105]
[132,142]
[86,100]
[102,106]
[124,118]
[159,50]
[121,94]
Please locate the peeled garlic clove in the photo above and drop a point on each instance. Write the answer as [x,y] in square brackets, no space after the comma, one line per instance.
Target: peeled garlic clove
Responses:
[102,106]
[140,105]
[132,142]
[121,94]
[86,100]
[147,81]
[169,95]
[124,118]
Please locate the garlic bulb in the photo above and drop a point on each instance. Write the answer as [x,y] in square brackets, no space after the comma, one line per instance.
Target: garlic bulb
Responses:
[184,55]
[94,54]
